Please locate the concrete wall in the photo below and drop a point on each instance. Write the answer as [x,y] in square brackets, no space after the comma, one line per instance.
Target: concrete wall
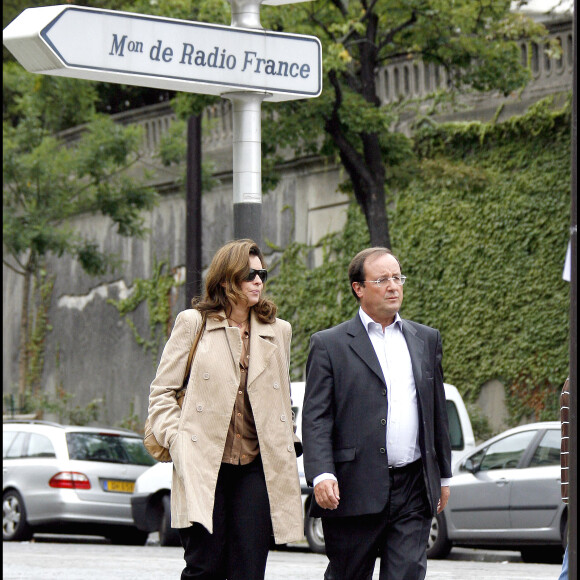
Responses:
[91,352]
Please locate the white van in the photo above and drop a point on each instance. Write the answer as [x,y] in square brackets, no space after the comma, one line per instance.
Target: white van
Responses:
[462,441]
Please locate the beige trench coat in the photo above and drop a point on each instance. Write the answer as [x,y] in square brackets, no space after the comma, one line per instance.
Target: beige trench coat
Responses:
[196,435]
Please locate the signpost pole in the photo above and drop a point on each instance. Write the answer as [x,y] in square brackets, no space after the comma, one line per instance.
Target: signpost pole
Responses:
[247,140]
[247,164]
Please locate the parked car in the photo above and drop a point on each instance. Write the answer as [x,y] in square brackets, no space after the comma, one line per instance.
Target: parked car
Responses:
[70,479]
[462,440]
[506,495]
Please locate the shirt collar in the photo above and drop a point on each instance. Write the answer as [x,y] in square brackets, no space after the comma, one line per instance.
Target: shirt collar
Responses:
[368,321]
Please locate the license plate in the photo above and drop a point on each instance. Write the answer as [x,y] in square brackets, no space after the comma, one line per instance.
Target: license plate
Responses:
[119,486]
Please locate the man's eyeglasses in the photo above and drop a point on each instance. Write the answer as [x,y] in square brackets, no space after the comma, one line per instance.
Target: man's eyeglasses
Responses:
[382,282]
[263,274]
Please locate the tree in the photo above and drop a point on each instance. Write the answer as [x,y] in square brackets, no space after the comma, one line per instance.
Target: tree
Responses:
[475,42]
[47,181]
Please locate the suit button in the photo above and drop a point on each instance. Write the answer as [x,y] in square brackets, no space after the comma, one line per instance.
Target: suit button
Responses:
[276,386]
[282,417]
[383,421]
[206,376]
[384,392]
[382,450]
[194,437]
[290,448]
[199,407]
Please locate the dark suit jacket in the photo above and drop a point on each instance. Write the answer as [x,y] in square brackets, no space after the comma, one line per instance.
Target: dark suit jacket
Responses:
[345,404]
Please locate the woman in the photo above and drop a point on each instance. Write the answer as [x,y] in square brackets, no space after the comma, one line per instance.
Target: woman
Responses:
[235,478]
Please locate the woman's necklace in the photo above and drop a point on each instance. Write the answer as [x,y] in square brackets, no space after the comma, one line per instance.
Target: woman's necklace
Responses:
[238,324]
[245,338]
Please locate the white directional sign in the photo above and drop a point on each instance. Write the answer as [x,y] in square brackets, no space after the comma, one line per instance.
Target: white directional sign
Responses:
[149,51]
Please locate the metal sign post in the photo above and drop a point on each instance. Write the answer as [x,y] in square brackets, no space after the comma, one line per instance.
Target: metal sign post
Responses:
[242,62]
[247,140]
[247,164]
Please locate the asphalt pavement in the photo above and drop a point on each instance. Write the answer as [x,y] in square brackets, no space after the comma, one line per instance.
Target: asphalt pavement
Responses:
[52,558]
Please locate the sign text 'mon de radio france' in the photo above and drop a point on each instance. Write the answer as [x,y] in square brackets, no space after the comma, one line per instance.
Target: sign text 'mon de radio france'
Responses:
[166,53]
[218,58]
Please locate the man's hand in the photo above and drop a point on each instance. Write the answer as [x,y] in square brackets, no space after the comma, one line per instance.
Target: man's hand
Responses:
[443,499]
[326,494]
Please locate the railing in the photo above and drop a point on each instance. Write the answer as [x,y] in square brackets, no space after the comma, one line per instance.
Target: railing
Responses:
[156,120]
[408,79]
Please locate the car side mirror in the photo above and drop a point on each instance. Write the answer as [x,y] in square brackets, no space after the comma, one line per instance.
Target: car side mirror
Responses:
[470,466]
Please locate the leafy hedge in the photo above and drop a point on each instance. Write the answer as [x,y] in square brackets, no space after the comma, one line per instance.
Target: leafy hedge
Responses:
[481,232]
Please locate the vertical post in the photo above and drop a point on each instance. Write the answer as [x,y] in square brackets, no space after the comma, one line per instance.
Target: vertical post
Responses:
[193,265]
[247,164]
[247,139]
[246,13]
[573,501]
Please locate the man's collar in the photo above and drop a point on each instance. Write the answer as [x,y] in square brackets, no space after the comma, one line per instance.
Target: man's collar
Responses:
[366,319]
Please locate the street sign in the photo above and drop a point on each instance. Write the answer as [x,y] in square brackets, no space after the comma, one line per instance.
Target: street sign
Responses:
[165,53]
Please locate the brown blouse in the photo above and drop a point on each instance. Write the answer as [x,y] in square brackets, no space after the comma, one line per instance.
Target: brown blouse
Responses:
[242,440]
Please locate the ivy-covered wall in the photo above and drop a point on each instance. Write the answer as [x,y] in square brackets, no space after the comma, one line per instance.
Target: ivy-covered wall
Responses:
[481,231]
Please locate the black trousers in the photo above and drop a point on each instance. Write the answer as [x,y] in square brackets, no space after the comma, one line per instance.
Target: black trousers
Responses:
[242,529]
[398,534]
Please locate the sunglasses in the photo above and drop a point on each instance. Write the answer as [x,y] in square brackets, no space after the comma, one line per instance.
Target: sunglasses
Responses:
[253,273]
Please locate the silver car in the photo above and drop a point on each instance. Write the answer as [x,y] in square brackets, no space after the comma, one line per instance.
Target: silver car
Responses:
[65,479]
[506,495]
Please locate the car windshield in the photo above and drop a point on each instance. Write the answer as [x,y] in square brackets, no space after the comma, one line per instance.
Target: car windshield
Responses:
[107,447]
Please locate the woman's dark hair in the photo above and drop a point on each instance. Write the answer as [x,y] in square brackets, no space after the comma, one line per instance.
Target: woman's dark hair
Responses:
[229,267]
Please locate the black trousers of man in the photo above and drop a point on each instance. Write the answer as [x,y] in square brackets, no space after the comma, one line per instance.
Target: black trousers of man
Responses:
[398,534]
[242,529]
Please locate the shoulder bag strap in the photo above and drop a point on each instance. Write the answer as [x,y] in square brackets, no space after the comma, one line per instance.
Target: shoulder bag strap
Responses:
[193,349]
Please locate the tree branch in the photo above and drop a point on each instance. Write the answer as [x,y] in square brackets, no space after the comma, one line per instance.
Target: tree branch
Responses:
[15,270]
[388,38]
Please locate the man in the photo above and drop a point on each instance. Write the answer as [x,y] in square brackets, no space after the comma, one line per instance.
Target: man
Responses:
[375,431]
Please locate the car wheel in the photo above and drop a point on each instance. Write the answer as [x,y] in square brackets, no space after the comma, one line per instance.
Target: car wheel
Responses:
[438,544]
[15,528]
[168,536]
[128,537]
[564,529]
[315,535]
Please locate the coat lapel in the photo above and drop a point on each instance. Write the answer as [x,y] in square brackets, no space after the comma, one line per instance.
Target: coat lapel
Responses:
[362,346]
[415,345]
[232,337]
[262,347]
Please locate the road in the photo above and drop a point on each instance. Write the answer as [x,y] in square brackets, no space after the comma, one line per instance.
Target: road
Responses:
[52,558]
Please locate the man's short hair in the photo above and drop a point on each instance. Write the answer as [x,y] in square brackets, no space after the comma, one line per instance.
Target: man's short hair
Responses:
[356,269]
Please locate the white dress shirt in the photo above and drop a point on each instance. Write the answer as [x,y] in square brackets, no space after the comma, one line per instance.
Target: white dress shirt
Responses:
[402,414]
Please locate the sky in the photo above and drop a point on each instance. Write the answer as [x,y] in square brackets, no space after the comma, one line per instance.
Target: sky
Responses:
[545,5]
